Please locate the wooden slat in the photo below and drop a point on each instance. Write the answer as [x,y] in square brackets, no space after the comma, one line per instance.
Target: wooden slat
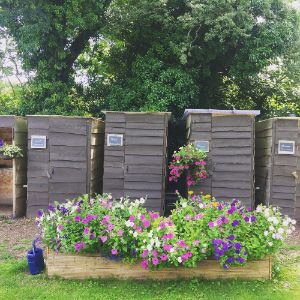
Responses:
[70,266]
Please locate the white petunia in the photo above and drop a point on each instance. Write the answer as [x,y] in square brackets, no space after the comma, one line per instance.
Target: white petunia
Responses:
[171,250]
[150,234]
[281,230]
[179,259]
[184,204]
[129,223]
[293,222]
[142,200]
[149,247]
[259,209]
[201,205]
[270,244]
[275,221]
[135,234]
[130,231]
[203,250]
[271,228]
[266,233]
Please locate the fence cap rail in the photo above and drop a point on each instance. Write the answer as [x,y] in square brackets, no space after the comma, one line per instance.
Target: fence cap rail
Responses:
[220,112]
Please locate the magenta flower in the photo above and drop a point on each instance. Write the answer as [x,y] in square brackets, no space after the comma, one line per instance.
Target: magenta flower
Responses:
[86,230]
[189,254]
[59,227]
[162,225]
[77,219]
[146,223]
[153,216]
[154,252]
[145,253]
[211,224]
[105,220]
[144,264]
[198,217]
[114,251]
[219,222]
[155,261]
[167,248]
[79,246]
[164,257]
[103,238]
[181,243]
[196,243]
[92,235]
[85,221]
[131,218]
[120,232]
[110,227]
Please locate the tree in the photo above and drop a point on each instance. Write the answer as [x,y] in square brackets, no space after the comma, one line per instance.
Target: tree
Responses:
[50,36]
[156,54]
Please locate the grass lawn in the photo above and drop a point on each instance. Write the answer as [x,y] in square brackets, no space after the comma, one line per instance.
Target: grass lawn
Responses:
[16,283]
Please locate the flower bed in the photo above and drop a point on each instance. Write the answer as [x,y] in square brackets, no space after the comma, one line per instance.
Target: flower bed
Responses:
[198,229]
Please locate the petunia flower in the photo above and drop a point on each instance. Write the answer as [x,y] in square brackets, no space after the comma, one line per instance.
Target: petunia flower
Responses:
[235,223]
[144,264]
[86,230]
[120,232]
[211,224]
[196,243]
[154,261]
[59,228]
[164,257]
[114,251]
[77,218]
[110,227]
[145,253]
[146,223]
[103,238]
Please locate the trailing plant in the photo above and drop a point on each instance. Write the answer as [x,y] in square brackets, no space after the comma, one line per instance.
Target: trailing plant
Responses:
[199,228]
[10,151]
[188,159]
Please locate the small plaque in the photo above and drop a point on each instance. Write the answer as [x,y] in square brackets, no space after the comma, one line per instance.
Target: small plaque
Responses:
[286,147]
[202,145]
[114,139]
[38,142]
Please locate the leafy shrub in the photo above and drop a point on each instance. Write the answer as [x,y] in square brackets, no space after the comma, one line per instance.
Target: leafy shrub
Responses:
[199,228]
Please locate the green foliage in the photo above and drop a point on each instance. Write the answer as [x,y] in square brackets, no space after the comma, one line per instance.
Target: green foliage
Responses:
[156,55]
[11,151]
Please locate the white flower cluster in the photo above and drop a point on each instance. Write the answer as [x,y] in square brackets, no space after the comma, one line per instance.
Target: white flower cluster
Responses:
[278,228]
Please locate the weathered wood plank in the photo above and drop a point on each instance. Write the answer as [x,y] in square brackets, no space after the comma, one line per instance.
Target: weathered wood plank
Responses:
[70,266]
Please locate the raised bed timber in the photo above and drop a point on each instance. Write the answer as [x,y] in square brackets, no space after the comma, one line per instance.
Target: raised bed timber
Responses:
[82,266]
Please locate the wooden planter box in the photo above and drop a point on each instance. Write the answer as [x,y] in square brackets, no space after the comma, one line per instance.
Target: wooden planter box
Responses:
[74,266]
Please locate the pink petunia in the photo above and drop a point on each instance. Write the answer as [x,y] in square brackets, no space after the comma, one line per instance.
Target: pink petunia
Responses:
[144,264]
[154,261]
[164,257]
[120,232]
[219,222]
[86,230]
[146,223]
[145,253]
[196,243]
[114,251]
[77,219]
[211,224]
[154,252]
[131,218]
[103,238]
[181,243]
[153,215]
[110,227]
[162,225]
[167,248]
[85,221]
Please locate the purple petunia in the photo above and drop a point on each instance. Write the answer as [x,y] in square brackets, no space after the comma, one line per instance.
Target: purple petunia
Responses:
[231,237]
[51,207]
[246,219]
[59,227]
[211,224]
[237,246]
[253,218]
[240,259]
[110,227]
[86,230]
[40,213]
[235,223]
[230,259]
[225,266]
[92,235]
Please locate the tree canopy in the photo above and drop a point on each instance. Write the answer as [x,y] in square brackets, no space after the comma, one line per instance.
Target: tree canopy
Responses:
[165,55]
